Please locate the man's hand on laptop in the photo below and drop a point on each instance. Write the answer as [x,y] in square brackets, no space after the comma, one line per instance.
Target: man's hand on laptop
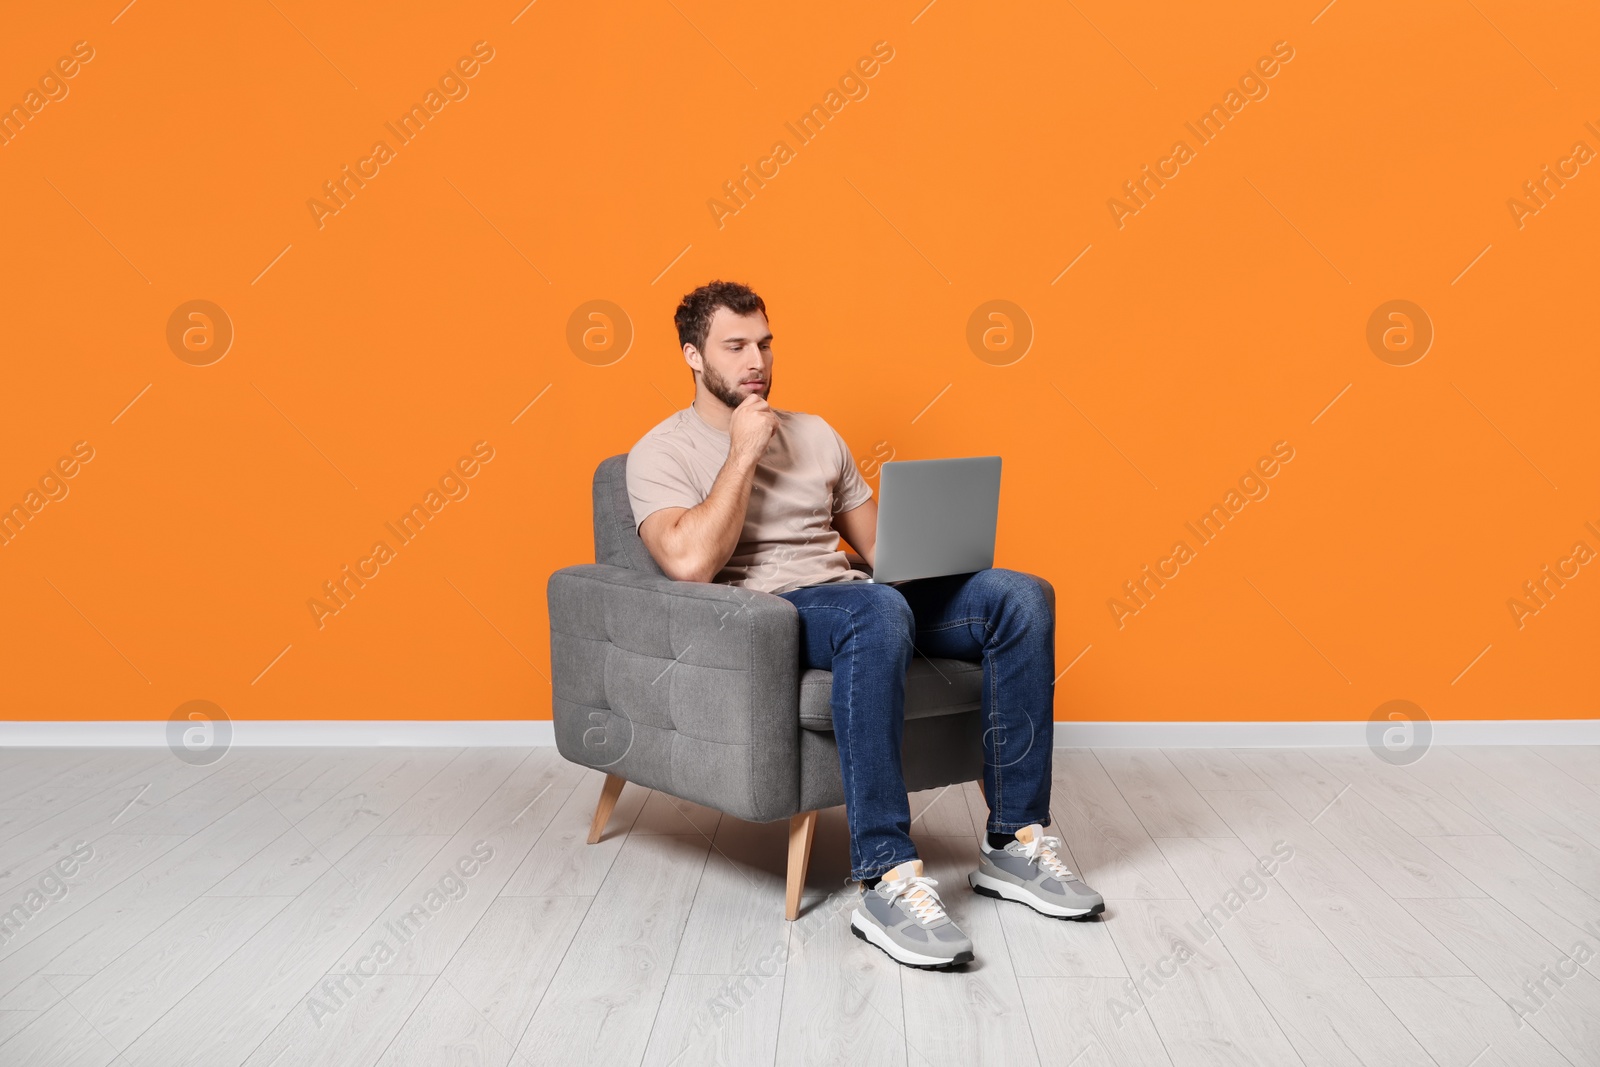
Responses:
[751,428]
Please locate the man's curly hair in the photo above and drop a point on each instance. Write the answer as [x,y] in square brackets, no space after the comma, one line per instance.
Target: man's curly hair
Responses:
[696,310]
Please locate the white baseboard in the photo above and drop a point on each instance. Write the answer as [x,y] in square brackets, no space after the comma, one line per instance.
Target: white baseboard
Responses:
[1350,734]
[302,733]
[487,733]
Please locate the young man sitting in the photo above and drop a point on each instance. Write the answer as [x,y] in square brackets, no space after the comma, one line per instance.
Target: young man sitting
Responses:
[733,490]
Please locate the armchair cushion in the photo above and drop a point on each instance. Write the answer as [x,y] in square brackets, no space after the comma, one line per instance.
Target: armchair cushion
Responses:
[933,687]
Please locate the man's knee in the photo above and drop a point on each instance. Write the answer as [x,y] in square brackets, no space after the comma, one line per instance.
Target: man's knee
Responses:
[1024,593]
[883,613]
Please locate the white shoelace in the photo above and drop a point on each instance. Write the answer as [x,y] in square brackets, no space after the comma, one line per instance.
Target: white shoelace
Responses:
[924,906]
[1041,850]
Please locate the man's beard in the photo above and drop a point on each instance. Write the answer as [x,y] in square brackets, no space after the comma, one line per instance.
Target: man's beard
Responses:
[729,392]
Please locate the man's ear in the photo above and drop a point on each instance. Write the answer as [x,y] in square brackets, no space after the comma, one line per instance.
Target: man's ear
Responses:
[691,355]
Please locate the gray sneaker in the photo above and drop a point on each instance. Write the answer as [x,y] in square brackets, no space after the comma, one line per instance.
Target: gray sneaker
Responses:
[903,917]
[1030,872]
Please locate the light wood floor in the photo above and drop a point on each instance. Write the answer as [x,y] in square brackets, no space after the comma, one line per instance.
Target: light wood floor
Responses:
[230,915]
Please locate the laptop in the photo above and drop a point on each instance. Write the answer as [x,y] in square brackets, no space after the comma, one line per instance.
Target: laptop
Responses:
[936,517]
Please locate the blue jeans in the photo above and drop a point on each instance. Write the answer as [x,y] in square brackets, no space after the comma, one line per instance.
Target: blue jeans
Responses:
[866,634]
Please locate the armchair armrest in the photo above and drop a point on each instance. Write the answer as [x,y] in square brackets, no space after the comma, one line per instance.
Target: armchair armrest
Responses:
[688,687]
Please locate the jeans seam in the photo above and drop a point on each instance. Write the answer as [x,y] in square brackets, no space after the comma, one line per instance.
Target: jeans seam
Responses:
[994,718]
[994,708]
[852,800]
[854,839]
[953,625]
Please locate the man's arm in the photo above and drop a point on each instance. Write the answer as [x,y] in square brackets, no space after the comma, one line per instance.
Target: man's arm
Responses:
[693,544]
[859,526]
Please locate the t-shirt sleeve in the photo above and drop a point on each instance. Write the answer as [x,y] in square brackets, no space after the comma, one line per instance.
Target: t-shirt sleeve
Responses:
[657,478]
[851,490]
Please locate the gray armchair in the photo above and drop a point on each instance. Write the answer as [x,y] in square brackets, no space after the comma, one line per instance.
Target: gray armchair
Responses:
[695,689]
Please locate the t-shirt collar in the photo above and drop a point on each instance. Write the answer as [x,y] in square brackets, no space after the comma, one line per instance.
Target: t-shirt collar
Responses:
[694,413]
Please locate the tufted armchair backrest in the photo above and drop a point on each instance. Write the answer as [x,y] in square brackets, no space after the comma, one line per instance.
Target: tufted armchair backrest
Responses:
[616,541]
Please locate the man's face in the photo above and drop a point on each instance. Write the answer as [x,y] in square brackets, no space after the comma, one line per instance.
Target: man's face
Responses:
[737,360]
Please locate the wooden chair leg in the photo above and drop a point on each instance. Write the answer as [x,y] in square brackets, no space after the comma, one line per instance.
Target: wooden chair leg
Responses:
[608,801]
[802,827]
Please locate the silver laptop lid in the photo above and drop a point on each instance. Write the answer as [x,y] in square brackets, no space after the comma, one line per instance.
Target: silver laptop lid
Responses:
[935,517]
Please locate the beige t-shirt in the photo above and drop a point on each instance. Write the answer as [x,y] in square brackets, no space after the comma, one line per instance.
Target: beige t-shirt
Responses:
[805,478]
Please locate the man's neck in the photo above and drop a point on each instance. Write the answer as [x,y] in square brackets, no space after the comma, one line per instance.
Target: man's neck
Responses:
[714,412]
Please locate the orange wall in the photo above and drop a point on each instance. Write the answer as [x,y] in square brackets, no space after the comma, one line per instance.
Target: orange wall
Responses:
[375,346]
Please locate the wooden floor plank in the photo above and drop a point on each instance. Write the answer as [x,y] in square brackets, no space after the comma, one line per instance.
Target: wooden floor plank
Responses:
[1561,912]
[1516,963]
[725,1020]
[450,797]
[343,1024]
[285,867]
[1462,1021]
[1294,775]
[46,803]
[112,860]
[134,785]
[29,769]
[1327,1011]
[14,1022]
[237,779]
[303,789]
[1114,852]
[977,807]
[136,907]
[58,1038]
[236,1006]
[431,917]
[1159,795]
[143,882]
[562,862]
[942,812]
[1261,818]
[1371,930]
[1564,798]
[124,997]
[1186,983]
[842,1002]
[1400,793]
[664,814]
[339,823]
[603,1001]
[445,1029]
[1413,873]
[37,992]
[1076,1021]
[737,922]
[1528,823]
[1213,768]
[507,963]
[1580,762]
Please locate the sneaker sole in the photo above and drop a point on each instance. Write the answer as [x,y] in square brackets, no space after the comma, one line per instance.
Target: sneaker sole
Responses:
[870,932]
[986,886]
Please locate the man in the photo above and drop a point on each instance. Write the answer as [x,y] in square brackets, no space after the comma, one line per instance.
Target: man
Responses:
[734,490]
